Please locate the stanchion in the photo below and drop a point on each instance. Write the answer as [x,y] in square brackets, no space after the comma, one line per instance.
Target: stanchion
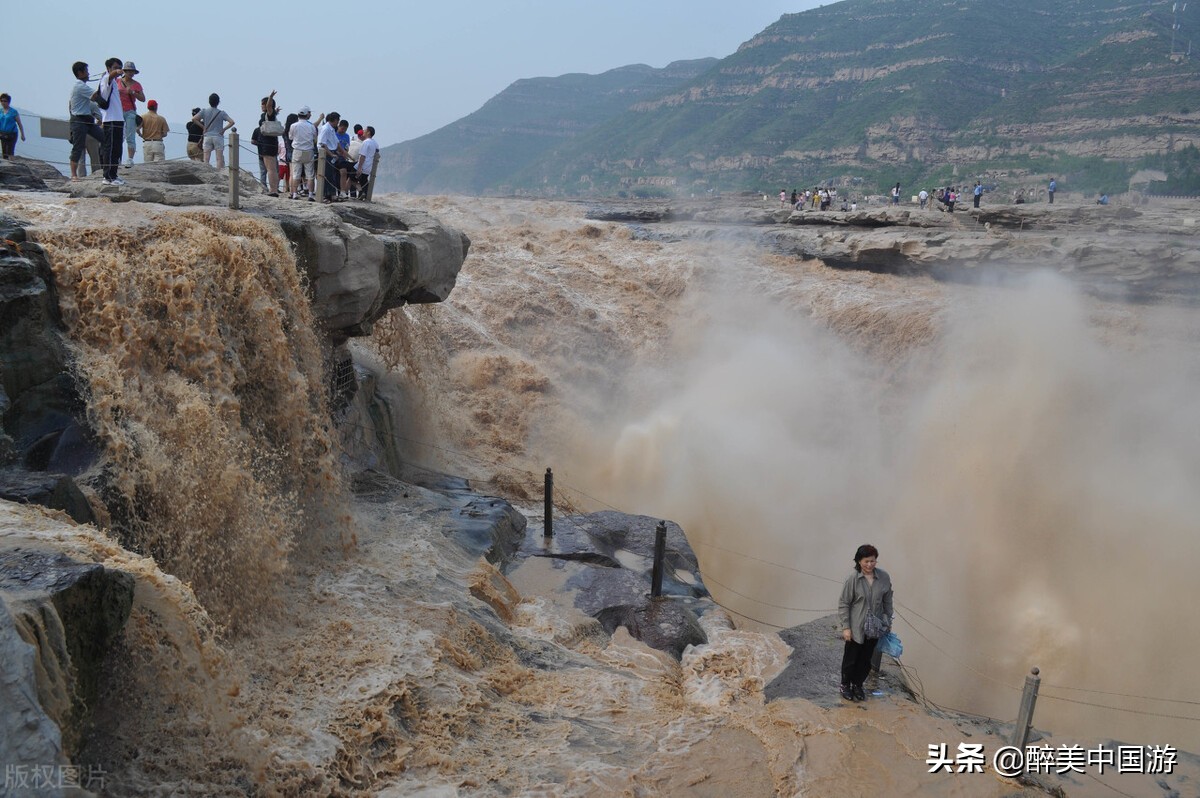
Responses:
[660,552]
[548,508]
[371,182]
[322,156]
[233,169]
[1029,695]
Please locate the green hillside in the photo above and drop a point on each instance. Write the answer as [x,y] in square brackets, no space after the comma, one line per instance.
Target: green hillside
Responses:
[482,151]
[881,90]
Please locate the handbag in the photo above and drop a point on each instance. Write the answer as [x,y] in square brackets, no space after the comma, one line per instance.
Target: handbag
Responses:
[271,127]
[100,100]
[874,626]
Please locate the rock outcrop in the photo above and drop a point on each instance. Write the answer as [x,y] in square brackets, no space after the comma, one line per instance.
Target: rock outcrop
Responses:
[43,444]
[361,259]
[59,616]
[1148,251]
[610,557]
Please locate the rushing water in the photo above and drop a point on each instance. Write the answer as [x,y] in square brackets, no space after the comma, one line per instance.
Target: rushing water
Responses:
[1024,457]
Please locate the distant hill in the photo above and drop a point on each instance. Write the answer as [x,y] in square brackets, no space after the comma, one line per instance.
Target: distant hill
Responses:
[483,151]
[878,91]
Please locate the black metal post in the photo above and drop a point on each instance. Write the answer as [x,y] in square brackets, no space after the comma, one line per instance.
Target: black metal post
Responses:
[548,510]
[660,551]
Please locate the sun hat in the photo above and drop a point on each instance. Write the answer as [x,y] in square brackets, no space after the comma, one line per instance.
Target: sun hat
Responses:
[152,105]
[304,111]
[130,67]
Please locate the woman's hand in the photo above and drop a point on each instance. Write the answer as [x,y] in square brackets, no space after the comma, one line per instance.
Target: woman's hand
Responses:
[846,635]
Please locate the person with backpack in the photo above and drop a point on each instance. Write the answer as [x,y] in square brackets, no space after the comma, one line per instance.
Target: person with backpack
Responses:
[112,120]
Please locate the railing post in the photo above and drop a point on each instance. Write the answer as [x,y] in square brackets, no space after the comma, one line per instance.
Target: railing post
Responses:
[660,552]
[371,182]
[548,509]
[233,169]
[1025,717]
[322,155]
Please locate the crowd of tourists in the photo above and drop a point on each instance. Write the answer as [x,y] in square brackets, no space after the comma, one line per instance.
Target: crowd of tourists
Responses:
[943,198]
[287,150]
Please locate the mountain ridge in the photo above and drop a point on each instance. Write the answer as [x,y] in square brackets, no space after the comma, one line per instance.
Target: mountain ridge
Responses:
[878,90]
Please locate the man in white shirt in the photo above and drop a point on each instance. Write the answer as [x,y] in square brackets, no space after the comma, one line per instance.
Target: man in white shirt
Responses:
[304,144]
[112,121]
[367,158]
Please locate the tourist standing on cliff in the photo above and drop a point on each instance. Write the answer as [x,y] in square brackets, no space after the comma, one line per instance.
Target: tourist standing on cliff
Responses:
[10,125]
[131,94]
[154,132]
[896,195]
[83,118]
[268,143]
[865,612]
[195,134]
[211,119]
[112,121]
[782,198]
[1052,189]
[367,156]
[978,193]
[304,141]
[923,198]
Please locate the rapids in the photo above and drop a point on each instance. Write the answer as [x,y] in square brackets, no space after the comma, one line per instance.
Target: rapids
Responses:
[1024,457]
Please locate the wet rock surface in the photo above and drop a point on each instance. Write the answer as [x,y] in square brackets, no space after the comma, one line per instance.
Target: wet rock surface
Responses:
[485,526]
[611,557]
[68,614]
[43,443]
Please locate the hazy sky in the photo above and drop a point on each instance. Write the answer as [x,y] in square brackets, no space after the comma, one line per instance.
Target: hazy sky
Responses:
[406,68]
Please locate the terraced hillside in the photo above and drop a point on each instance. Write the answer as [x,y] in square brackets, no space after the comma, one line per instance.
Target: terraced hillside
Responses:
[885,90]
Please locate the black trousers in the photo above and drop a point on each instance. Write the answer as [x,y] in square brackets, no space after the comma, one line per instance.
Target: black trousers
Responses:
[110,149]
[856,661]
[976,200]
[81,128]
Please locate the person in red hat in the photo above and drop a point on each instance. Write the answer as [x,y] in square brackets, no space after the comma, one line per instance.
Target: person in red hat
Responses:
[154,134]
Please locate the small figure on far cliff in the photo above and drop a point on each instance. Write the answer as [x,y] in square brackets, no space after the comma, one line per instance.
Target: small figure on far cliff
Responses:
[896,195]
[865,611]
[782,198]
[978,193]
[10,125]
[1103,200]
[795,197]
[1053,187]
[923,198]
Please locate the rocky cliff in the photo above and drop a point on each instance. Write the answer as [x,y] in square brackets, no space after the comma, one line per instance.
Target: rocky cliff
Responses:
[110,295]
[875,91]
